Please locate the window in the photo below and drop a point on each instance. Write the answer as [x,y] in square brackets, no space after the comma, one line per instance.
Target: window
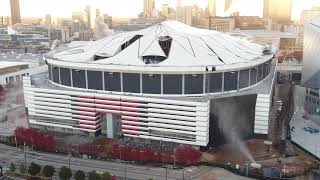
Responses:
[79,78]
[230,81]
[193,83]
[55,74]
[65,76]
[172,84]
[112,81]
[131,82]
[213,82]
[94,80]
[151,83]
[253,76]
[244,78]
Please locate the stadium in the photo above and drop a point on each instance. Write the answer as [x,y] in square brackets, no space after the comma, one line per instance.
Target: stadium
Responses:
[169,82]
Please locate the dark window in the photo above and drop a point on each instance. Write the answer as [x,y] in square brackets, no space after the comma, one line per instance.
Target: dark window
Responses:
[79,78]
[244,78]
[260,72]
[65,76]
[131,82]
[172,84]
[112,81]
[193,83]
[213,82]
[49,70]
[253,76]
[94,80]
[55,74]
[230,81]
[151,83]
[265,70]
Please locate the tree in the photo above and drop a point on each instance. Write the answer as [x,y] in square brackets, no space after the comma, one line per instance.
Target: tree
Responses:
[12,167]
[48,171]
[22,168]
[65,173]
[79,175]
[34,169]
[106,176]
[93,175]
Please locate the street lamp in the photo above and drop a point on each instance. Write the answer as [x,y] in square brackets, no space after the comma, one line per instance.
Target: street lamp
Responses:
[174,160]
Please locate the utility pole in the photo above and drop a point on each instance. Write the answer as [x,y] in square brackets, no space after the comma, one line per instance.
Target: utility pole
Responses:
[69,160]
[25,155]
[166,173]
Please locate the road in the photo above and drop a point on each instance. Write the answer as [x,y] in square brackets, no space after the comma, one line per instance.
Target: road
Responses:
[10,154]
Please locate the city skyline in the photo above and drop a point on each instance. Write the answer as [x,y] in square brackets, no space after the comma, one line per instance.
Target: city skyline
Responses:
[245,7]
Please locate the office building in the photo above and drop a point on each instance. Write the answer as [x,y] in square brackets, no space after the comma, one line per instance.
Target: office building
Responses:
[165,10]
[148,7]
[87,16]
[15,12]
[227,5]
[279,11]
[212,7]
[308,15]
[168,82]
[223,24]
[187,15]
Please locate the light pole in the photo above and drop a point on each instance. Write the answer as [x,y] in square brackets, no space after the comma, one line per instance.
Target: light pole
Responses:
[124,164]
[25,155]
[69,160]
[174,160]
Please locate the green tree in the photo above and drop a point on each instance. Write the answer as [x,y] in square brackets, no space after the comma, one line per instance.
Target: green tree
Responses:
[22,168]
[106,176]
[48,171]
[65,173]
[34,169]
[93,175]
[12,167]
[79,175]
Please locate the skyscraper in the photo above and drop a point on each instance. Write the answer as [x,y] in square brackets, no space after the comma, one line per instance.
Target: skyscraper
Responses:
[87,14]
[179,11]
[48,19]
[148,7]
[277,10]
[15,12]
[227,4]
[165,10]
[212,7]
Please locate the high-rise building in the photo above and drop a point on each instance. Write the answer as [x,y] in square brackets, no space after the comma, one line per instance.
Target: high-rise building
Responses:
[179,11]
[77,16]
[277,10]
[4,20]
[212,7]
[87,15]
[98,12]
[15,12]
[47,19]
[165,10]
[148,7]
[227,4]
[187,15]
[107,20]
[308,15]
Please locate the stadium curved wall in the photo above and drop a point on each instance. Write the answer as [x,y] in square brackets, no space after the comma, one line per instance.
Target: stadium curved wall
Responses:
[160,84]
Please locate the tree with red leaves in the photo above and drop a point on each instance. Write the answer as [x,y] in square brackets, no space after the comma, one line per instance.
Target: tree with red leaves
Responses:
[186,154]
[35,138]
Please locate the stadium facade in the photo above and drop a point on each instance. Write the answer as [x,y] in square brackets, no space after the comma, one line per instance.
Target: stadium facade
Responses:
[159,83]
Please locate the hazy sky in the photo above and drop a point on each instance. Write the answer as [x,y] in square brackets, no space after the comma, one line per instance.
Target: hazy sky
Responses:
[130,8]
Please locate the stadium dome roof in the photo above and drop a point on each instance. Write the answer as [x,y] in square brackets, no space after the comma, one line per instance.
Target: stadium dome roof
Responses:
[166,44]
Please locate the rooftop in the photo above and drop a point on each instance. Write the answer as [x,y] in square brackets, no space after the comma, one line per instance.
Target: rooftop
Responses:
[166,44]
